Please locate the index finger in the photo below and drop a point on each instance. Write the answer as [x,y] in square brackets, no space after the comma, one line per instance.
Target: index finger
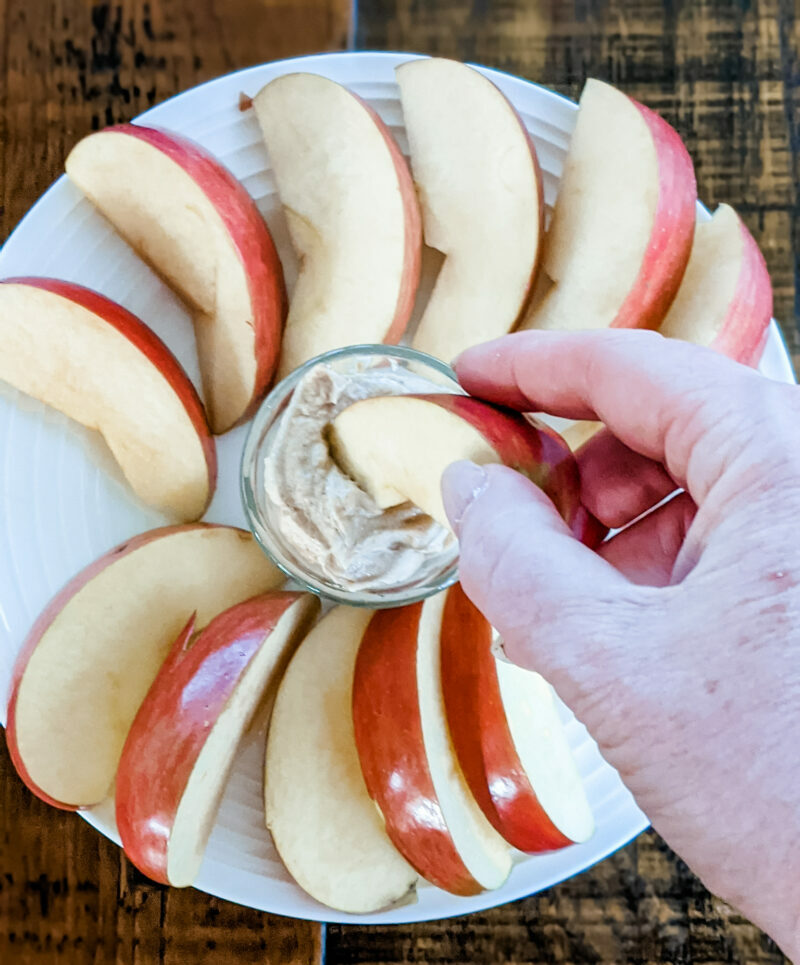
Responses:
[664,399]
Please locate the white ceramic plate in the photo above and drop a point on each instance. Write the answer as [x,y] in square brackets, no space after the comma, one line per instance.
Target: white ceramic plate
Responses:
[63,503]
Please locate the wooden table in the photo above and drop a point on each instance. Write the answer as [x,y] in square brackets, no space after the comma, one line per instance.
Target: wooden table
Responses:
[726,75]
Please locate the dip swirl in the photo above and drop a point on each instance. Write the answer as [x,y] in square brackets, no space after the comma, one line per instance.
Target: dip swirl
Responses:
[332,525]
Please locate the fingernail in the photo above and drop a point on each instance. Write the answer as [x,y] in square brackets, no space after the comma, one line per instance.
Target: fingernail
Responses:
[462,483]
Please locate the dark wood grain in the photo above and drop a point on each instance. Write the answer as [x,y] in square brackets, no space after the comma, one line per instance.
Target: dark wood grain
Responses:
[641,905]
[67,895]
[71,66]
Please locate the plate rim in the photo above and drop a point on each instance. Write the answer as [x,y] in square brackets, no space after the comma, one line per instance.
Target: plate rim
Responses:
[242,893]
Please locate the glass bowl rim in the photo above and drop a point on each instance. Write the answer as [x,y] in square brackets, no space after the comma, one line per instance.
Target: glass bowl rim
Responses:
[372,599]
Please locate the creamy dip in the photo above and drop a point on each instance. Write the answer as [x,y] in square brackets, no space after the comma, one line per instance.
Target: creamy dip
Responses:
[332,526]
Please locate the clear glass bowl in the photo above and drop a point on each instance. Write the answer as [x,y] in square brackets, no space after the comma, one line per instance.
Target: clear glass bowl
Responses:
[261,511]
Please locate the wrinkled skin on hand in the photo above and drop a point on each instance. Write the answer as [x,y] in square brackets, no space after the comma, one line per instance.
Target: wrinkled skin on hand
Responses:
[678,643]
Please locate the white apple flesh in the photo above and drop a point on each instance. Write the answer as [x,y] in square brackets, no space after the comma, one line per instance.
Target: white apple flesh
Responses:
[725,298]
[352,214]
[508,737]
[480,190]
[183,740]
[579,432]
[545,758]
[724,301]
[408,758]
[93,653]
[623,221]
[186,215]
[88,357]
[397,447]
[324,825]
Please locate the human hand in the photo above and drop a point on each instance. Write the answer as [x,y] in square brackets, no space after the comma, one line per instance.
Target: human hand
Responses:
[678,642]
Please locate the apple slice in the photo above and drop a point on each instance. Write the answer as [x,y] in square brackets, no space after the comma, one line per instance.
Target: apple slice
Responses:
[580,432]
[623,221]
[91,656]
[408,759]
[186,214]
[323,823]
[508,738]
[352,213]
[482,202]
[724,301]
[181,745]
[93,360]
[725,298]
[397,447]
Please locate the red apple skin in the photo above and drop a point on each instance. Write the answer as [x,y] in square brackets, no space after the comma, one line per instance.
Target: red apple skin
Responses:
[388,731]
[149,344]
[755,359]
[143,845]
[480,733]
[192,688]
[744,331]
[46,617]
[250,236]
[670,244]
[412,261]
[535,450]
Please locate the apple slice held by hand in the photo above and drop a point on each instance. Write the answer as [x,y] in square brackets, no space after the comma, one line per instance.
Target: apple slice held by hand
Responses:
[352,213]
[397,447]
[508,738]
[324,825]
[92,655]
[482,202]
[725,298]
[623,221]
[181,745]
[186,215]
[408,759]
[93,360]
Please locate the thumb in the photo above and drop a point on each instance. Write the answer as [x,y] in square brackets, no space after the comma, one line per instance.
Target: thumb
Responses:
[560,608]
